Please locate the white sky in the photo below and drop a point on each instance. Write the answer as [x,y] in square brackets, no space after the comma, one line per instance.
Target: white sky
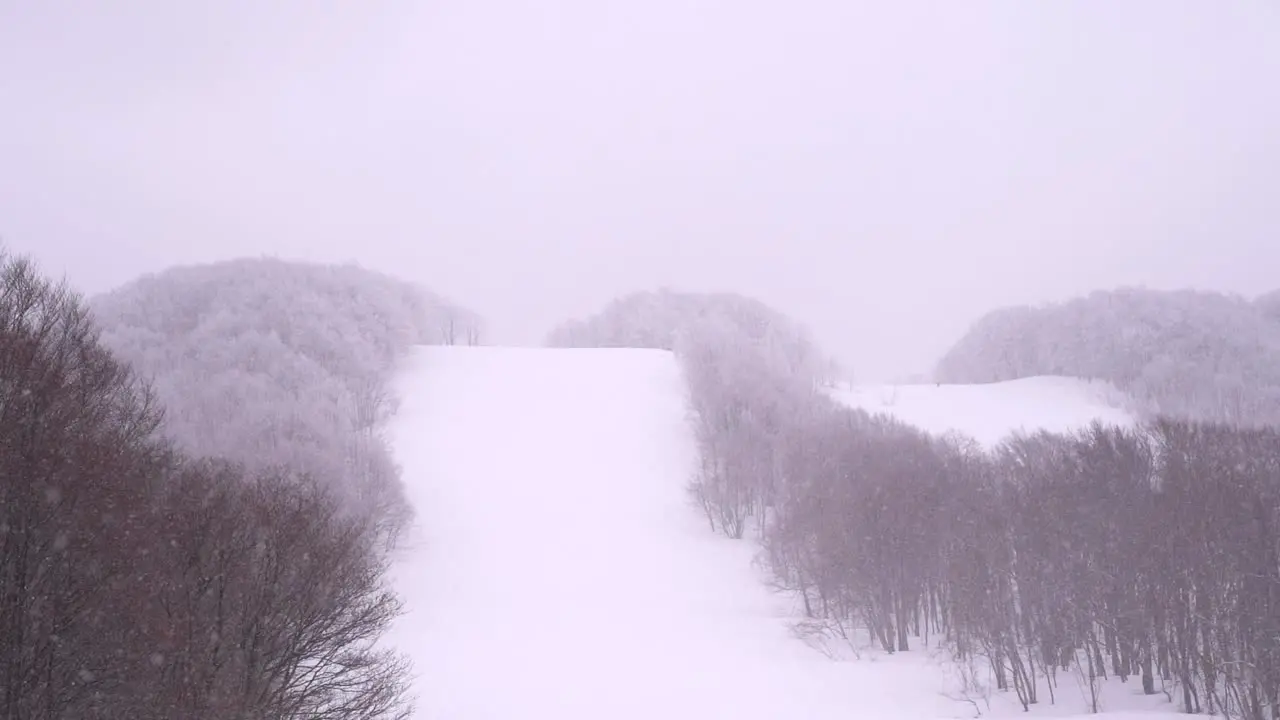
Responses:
[885,171]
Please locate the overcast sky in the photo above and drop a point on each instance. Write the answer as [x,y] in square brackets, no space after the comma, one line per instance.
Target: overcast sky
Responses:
[884,171]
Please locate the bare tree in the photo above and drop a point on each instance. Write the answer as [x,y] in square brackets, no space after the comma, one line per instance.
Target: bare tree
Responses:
[136,583]
[280,602]
[77,461]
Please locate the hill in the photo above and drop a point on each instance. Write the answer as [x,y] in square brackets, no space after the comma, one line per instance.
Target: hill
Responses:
[268,362]
[1183,354]
[670,320]
[568,575]
[991,413]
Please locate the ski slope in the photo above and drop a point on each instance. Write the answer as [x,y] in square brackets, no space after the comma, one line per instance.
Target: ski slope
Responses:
[557,571]
[991,412]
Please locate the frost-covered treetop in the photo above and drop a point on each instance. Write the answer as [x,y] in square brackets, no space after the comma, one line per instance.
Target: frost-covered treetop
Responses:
[671,320]
[1194,354]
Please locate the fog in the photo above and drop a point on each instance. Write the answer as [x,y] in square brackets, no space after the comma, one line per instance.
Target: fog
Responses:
[886,172]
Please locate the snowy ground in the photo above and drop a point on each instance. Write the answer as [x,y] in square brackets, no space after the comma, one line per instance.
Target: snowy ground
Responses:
[991,412]
[557,571]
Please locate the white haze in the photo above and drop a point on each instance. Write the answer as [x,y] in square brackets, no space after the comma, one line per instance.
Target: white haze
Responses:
[886,172]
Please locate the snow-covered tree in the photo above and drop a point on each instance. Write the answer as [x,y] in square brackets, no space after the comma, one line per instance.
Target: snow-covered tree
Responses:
[1195,355]
[663,319]
[272,363]
[136,582]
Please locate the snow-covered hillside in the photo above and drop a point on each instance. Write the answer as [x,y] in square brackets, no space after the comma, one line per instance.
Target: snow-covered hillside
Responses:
[557,570]
[991,412]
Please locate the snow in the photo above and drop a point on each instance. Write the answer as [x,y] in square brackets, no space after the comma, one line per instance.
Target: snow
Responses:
[991,412]
[557,570]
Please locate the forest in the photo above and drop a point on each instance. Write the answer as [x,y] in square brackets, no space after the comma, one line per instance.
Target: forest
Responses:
[199,503]
[206,502]
[272,363]
[1147,554]
[1185,354]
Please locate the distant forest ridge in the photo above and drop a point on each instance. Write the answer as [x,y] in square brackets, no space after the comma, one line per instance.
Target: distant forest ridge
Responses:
[269,362]
[669,319]
[1188,354]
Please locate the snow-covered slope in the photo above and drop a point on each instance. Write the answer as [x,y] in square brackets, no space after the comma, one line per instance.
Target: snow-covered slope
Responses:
[559,573]
[991,412]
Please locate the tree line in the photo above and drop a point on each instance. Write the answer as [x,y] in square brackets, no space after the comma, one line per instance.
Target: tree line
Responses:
[1147,554]
[272,363]
[139,581]
[1183,354]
